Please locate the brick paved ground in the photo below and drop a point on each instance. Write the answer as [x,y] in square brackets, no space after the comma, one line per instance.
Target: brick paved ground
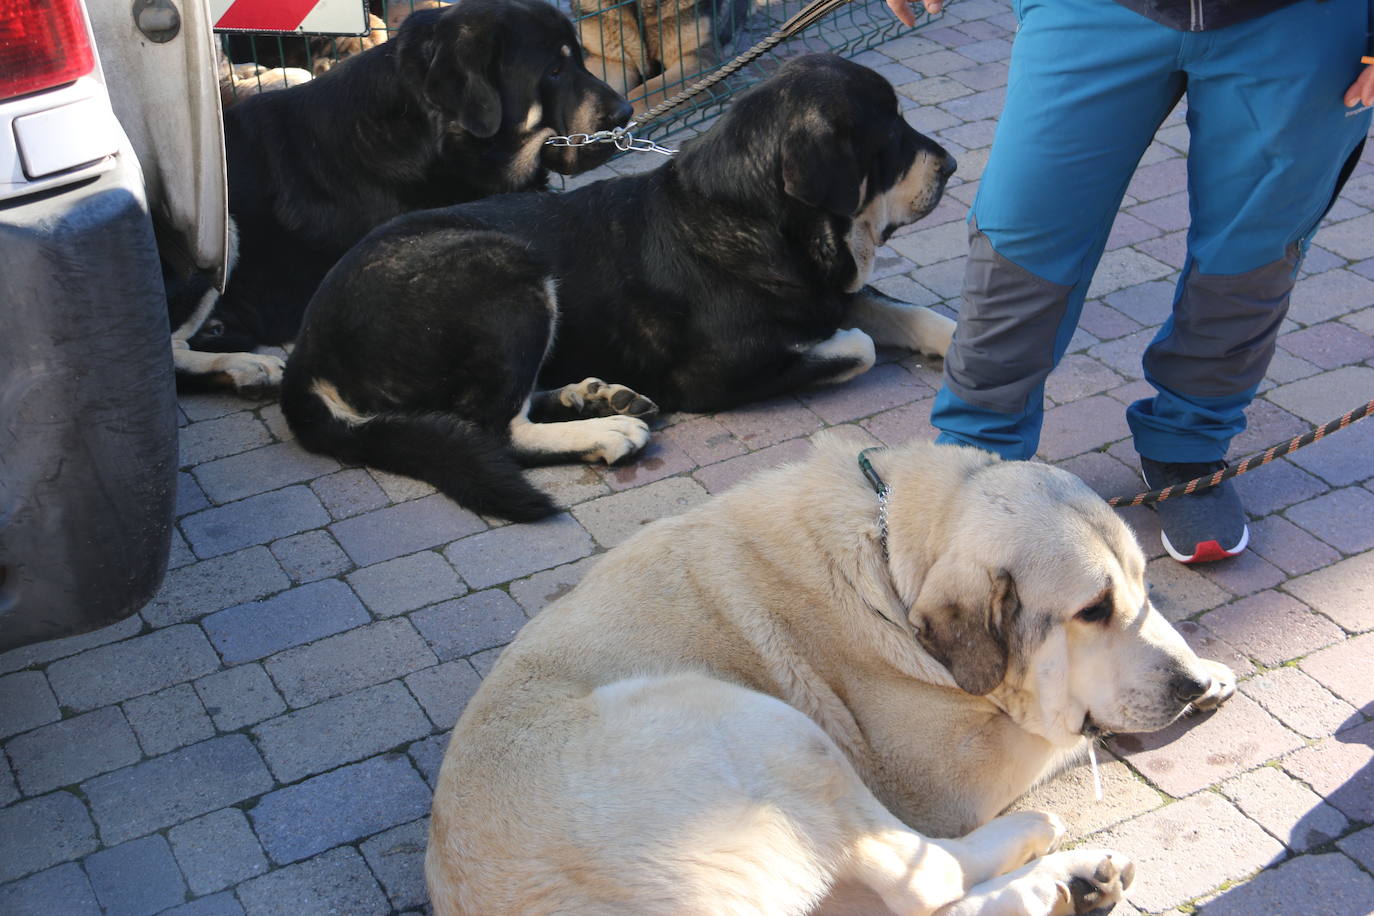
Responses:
[263,737]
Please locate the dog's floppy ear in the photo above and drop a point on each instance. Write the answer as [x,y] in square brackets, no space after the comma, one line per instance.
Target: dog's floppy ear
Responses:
[450,61]
[819,169]
[967,633]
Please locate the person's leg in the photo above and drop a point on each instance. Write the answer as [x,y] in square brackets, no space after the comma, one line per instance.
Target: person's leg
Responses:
[1269,140]
[1090,82]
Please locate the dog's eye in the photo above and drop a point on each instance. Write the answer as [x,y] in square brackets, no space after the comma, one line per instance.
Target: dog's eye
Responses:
[1096,613]
[557,69]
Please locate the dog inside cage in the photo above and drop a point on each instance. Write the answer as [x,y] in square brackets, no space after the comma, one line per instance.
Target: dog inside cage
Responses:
[648,50]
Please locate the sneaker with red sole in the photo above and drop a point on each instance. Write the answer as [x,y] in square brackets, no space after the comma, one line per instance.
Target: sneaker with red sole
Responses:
[1204,526]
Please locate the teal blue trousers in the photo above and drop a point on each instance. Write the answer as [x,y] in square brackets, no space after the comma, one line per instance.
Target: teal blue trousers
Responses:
[1270,142]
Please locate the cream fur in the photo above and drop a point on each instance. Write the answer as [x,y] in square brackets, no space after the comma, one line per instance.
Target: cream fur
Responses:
[733,712]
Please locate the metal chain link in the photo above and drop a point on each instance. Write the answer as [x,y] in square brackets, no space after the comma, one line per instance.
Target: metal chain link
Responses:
[623,139]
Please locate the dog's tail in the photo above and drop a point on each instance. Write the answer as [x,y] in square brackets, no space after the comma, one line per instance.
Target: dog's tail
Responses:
[465,462]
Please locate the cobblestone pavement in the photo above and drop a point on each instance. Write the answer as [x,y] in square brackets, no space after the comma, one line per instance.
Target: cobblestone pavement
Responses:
[262,738]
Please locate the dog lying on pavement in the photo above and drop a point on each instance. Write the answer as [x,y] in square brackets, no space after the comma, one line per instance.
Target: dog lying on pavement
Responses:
[732,273]
[456,107]
[774,703]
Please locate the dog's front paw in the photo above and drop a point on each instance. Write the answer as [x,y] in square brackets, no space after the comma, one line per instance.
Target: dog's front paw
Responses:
[933,332]
[1222,688]
[1097,880]
[253,371]
[618,438]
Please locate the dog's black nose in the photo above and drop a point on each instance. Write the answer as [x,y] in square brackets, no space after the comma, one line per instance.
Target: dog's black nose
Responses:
[1186,688]
[948,166]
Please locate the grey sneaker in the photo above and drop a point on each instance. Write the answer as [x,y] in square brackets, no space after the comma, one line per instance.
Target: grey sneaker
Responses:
[1201,527]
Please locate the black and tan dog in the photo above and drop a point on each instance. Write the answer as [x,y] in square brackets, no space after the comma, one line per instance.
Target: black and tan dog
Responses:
[732,273]
[455,108]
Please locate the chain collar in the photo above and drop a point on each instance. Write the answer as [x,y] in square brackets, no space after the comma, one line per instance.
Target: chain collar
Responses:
[880,487]
[623,139]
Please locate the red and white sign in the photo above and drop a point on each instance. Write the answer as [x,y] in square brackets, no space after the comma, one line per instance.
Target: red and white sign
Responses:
[316,17]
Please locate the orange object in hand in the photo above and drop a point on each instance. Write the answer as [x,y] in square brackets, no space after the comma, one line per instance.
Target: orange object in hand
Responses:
[1367,60]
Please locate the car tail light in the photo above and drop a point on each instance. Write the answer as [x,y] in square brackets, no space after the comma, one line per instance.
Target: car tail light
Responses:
[43,43]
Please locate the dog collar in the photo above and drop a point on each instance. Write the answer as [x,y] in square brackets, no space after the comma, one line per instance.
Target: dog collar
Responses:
[880,487]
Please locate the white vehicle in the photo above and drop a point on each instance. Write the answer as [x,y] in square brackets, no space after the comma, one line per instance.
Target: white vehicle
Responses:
[88,449]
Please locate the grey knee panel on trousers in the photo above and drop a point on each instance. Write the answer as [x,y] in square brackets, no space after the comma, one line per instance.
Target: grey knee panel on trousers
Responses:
[1008,321]
[1224,330]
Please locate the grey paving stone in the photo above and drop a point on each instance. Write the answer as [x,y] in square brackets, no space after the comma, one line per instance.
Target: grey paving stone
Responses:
[181,785]
[217,850]
[41,652]
[397,858]
[133,667]
[43,832]
[1286,808]
[9,792]
[215,584]
[179,552]
[190,497]
[399,530]
[406,583]
[1359,846]
[342,806]
[542,588]
[1343,591]
[239,696]
[72,750]
[444,690]
[399,488]
[255,520]
[349,492]
[267,468]
[337,882]
[612,519]
[60,891]
[210,439]
[1342,518]
[26,702]
[1315,885]
[428,756]
[518,550]
[218,905]
[359,658]
[168,720]
[1340,459]
[307,612]
[479,621]
[311,556]
[1325,396]
[137,878]
[341,730]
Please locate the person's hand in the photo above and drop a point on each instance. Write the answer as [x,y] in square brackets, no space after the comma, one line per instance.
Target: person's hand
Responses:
[905,10]
[1361,92]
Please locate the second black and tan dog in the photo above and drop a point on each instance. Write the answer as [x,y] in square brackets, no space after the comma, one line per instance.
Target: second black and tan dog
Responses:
[732,273]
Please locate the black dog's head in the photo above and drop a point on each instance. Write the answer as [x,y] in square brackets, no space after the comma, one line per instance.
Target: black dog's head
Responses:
[510,71]
[826,137]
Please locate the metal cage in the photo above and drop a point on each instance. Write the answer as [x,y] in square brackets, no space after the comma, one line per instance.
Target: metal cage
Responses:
[648,49]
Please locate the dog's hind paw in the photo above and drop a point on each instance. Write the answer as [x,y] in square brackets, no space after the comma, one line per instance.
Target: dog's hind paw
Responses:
[1097,881]
[592,397]
[618,438]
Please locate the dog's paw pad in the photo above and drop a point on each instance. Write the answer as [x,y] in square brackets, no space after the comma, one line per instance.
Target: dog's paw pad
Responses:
[1100,883]
[604,399]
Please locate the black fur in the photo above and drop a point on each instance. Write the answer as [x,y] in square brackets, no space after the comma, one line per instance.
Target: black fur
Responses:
[431,118]
[700,284]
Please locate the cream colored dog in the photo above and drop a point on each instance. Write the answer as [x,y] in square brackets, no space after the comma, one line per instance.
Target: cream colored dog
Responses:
[750,709]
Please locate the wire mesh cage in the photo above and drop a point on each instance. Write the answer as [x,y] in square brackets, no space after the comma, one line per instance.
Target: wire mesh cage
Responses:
[647,49]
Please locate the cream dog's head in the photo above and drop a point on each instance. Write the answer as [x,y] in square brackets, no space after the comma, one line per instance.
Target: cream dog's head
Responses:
[1036,598]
